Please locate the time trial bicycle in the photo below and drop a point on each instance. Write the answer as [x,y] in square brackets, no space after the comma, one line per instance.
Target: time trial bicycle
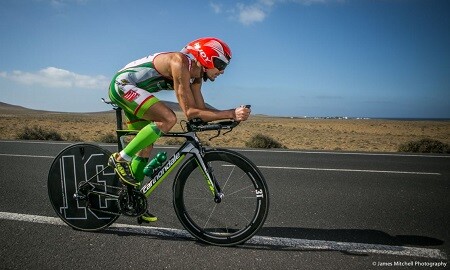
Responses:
[219,195]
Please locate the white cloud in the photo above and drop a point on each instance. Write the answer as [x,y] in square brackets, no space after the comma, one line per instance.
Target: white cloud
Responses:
[217,8]
[64,2]
[61,4]
[251,14]
[57,78]
[311,2]
[258,11]
[268,3]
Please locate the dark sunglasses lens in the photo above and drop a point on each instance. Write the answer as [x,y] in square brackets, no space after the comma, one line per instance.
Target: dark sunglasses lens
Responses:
[219,64]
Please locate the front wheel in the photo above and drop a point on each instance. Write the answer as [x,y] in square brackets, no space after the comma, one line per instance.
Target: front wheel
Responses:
[242,210]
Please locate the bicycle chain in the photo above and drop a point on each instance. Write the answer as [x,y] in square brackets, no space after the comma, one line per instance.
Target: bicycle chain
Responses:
[104,211]
[118,193]
[85,188]
[82,185]
[108,186]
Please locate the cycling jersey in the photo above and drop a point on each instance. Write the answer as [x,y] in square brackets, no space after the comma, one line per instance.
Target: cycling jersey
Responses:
[144,75]
[132,87]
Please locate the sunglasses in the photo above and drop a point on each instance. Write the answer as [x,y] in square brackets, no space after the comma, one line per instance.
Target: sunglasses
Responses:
[219,63]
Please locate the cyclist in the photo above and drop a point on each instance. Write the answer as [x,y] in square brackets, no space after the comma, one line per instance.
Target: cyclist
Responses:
[183,72]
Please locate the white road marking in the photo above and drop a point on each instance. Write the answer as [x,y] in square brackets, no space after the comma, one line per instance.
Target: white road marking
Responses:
[259,150]
[346,170]
[280,168]
[28,156]
[301,244]
[399,154]
[37,142]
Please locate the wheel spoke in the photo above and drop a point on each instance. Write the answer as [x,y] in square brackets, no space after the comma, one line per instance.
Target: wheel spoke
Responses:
[209,217]
[229,176]
[237,191]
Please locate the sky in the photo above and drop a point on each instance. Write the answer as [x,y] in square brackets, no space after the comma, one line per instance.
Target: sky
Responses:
[354,58]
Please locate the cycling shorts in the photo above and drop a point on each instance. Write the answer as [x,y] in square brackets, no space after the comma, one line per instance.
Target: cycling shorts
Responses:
[134,101]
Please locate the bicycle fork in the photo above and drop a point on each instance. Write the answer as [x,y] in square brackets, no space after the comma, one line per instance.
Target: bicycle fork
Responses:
[210,179]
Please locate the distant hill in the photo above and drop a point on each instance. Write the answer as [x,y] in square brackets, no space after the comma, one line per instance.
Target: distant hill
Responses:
[6,108]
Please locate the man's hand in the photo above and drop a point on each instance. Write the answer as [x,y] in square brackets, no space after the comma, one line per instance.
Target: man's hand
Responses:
[242,113]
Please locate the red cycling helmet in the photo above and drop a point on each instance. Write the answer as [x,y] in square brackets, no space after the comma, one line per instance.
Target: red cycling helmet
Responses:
[210,52]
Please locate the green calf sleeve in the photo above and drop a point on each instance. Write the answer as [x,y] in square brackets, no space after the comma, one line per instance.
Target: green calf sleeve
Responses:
[145,137]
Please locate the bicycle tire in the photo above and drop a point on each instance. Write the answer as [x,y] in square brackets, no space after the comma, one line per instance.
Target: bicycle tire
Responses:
[242,211]
[74,164]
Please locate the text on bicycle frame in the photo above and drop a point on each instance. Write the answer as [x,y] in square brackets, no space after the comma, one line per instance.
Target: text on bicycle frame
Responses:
[163,171]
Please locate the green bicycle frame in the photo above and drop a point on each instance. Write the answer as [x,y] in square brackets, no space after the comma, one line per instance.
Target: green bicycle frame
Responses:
[191,146]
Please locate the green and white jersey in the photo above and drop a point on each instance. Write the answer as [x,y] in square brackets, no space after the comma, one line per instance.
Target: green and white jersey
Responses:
[133,86]
[143,74]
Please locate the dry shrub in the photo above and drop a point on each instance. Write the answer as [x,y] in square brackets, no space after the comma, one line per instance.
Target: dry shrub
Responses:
[425,146]
[38,133]
[263,141]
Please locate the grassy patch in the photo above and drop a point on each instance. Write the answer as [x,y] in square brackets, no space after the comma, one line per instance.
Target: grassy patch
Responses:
[263,141]
[38,133]
[425,146]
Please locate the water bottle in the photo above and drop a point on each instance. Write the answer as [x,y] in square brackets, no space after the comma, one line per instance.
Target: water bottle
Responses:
[155,163]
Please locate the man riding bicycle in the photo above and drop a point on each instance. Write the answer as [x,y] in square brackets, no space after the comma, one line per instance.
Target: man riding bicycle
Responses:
[132,89]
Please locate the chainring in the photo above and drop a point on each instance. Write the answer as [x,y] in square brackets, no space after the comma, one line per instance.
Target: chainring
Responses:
[134,205]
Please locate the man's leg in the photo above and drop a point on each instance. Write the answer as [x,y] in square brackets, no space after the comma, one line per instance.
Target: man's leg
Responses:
[161,119]
[139,161]
[165,119]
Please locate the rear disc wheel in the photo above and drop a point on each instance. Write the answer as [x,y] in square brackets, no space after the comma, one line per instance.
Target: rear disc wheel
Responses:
[85,211]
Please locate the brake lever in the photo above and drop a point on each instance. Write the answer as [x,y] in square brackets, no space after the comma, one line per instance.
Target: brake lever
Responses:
[225,133]
[218,134]
[230,127]
[229,130]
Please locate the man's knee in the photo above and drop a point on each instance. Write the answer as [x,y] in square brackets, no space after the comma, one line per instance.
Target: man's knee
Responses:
[162,115]
[170,119]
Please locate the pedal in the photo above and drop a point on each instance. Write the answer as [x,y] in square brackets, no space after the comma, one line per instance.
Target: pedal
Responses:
[150,218]
[140,220]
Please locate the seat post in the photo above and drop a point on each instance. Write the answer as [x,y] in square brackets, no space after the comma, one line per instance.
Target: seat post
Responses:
[118,126]
[118,118]
[119,131]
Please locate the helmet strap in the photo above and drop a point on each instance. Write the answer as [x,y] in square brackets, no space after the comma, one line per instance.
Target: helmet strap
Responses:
[205,75]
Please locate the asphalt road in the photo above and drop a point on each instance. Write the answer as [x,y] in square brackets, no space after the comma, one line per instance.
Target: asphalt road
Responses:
[328,211]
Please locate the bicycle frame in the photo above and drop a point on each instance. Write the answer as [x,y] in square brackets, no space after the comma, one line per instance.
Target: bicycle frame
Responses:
[191,146]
